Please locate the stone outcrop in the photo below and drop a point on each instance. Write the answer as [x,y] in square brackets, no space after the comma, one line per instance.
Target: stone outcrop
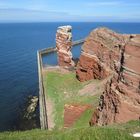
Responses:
[63,45]
[100,54]
[107,53]
[29,116]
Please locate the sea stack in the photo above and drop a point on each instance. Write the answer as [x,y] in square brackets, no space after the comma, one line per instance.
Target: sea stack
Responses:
[64,45]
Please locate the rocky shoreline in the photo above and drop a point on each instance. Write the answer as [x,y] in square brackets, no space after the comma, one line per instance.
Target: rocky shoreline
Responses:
[29,116]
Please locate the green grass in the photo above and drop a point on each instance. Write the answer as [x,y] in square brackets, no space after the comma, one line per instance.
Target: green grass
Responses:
[63,89]
[131,126]
[84,119]
[120,132]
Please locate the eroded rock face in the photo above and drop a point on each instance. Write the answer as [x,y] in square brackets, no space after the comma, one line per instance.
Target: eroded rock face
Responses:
[89,67]
[107,53]
[64,44]
[103,48]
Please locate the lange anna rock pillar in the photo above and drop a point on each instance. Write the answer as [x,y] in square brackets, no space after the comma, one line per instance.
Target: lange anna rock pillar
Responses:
[64,45]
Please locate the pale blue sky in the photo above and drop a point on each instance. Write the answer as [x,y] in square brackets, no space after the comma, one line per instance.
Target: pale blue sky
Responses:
[69,10]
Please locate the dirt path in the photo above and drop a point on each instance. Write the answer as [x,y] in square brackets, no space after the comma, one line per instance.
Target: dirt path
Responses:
[56,69]
[50,109]
[49,103]
[94,88]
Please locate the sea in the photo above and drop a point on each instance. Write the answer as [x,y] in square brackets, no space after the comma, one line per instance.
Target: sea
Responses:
[19,43]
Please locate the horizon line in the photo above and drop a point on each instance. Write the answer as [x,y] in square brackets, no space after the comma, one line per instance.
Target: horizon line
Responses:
[68,21]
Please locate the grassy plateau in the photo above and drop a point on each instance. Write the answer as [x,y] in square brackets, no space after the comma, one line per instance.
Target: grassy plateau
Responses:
[63,89]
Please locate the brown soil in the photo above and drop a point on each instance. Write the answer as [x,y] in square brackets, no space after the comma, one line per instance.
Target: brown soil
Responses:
[73,113]
[50,109]
[94,88]
[56,69]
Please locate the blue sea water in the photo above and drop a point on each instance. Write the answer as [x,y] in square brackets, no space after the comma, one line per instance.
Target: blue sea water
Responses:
[19,43]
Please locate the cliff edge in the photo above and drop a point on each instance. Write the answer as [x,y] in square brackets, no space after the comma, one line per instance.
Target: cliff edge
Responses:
[106,53]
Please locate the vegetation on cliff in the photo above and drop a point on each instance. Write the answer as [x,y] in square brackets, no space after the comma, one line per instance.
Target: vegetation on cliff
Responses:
[63,90]
[113,132]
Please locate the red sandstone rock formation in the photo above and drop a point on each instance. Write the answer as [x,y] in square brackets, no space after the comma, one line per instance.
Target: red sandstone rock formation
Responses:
[107,53]
[64,44]
[100,54]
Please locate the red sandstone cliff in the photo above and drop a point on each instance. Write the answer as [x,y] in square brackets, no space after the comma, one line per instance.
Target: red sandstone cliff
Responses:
[63,45]
[107,53]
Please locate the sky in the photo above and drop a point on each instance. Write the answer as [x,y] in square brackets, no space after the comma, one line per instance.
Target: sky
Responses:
[70,10]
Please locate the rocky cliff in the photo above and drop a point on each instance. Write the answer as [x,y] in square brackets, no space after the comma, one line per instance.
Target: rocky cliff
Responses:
[106,53]
[63,45]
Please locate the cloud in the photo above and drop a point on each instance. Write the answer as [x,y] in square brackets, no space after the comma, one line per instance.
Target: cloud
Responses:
[28,15]
[3,4]
[26,4]
[113,3]
[105,3]
[43,15]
